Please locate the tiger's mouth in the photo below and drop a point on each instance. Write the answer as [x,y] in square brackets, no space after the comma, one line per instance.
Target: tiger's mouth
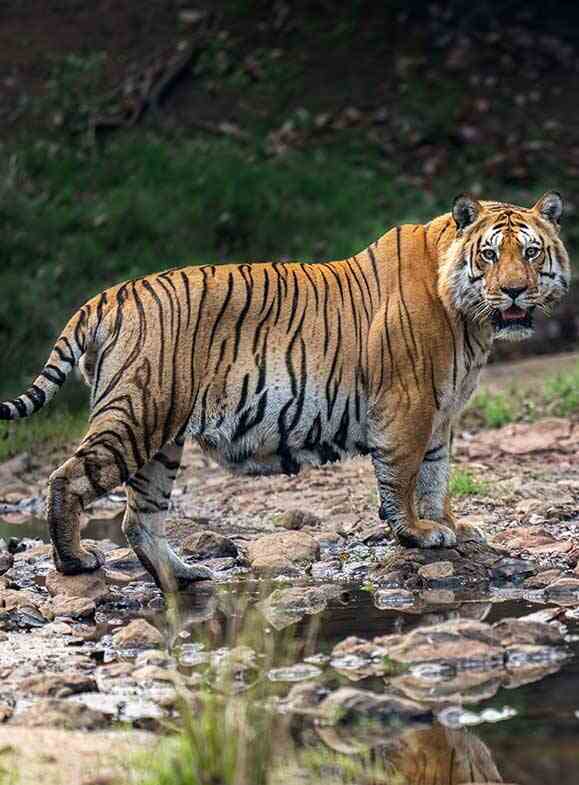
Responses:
[512,319]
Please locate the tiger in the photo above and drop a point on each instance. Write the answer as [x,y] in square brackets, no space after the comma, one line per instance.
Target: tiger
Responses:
[273,366]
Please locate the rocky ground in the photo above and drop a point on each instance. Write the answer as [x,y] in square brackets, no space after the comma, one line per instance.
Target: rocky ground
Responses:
[82,653]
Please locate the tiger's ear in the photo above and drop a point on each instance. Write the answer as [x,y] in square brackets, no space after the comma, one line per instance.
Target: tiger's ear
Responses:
[465,211]
[550,206]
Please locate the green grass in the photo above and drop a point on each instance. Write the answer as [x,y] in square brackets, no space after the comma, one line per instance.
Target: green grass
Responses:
[557,395]
[463,483]
[495,410]
[46,429]
[562,393]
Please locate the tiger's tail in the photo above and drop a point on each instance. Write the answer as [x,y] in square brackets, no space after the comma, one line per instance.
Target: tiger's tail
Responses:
[68,349]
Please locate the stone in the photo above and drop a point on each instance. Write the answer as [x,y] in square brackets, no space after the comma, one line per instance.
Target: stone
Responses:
[514,632]
[57,685]
[507,569]
[297,519]
[347,705]
[436,570]
[283,553]
[57,713]
[209,545]
[462,643]
[287,606]
[73,607]
[91,585]
[139,634]
[305,697]
[541,580]
[19,464]
[563,586]
[6,561]
[385,599]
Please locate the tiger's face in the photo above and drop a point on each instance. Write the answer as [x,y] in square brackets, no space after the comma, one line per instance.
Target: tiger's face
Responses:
[506,262]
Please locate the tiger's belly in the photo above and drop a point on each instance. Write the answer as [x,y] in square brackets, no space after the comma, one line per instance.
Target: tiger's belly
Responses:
[282,436]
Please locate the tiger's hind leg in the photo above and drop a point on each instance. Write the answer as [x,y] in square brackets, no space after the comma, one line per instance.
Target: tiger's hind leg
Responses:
[148,493]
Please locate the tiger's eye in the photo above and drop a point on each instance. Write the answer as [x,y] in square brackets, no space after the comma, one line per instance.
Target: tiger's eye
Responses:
[489,255]
[532,252]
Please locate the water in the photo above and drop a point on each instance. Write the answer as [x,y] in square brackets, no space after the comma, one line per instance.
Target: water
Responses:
[474,727]
[37,529]
[527,733]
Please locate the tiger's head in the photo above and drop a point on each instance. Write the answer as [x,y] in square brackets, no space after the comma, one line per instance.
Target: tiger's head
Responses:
[505,262]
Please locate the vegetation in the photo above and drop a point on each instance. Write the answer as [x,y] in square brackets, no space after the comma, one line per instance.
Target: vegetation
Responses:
[463,483]
[557,395]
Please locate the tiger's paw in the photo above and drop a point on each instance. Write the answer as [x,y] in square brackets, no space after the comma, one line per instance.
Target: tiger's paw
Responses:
[467,532]
[427,534]
[89,559]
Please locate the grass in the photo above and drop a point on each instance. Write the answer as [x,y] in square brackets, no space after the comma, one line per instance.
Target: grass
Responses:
[562,393]
[554,396]
[47,429]
[463,483]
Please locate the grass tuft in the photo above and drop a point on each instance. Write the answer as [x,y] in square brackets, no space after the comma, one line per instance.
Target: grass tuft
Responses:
[463,483]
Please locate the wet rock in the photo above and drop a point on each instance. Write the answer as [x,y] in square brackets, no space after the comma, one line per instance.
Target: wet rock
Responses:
[11,599]
[57,713]
[326,569]
[513,569]
[6,561]
[472,563]
[433,686]
[393,598]
[209,545]
[55,629]
[279,554]
[91,585]
[349,706]
[58,685]
[565,585]
[514,632]
[374,535]
[19,464]
[541,580]
[463,643]
[297,519]
[139,634]
[299,672]
[73,607]
[287,606]
[304,698]
[436,570]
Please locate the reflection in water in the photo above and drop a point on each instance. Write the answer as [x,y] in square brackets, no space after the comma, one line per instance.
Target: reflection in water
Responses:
[412,722]
[37,529]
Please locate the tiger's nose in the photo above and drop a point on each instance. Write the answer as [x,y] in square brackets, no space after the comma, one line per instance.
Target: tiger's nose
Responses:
[513,293]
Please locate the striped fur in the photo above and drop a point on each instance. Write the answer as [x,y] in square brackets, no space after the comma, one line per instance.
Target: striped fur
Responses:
[273,366]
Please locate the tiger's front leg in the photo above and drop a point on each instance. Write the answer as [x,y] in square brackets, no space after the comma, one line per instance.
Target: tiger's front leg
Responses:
[432,492]
[398,462]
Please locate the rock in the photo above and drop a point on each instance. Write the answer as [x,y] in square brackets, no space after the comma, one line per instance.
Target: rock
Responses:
[436,570]
[283,553]
[73,607]
[393,598]
[209,545]
[56,713]
[297,519]
[6,561]
[58,685]
[19,464]
[287,606]
[139,634]
[541,580]
[563,586]
[530,506]
[374,535]
[514,632]
[508,568]
[304,698]
[347,705]
[91,585]
[12,599]
[462,643]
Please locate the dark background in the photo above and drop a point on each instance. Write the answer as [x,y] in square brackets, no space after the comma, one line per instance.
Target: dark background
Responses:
[296,129]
